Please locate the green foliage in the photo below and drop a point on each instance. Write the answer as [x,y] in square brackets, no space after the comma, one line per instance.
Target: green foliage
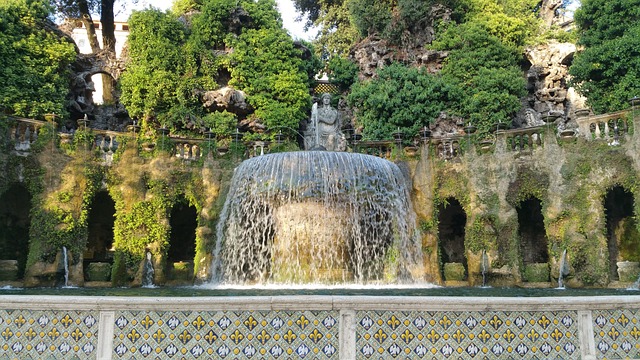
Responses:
[172,64]
[484,68]
[370,16]
[35,62]
[342,72]
[268,69]
[221,123]
[606,71]
[400,97]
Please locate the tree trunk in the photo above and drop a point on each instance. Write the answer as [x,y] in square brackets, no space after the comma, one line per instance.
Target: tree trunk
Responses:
[109,44]
[87,21]
[548,11]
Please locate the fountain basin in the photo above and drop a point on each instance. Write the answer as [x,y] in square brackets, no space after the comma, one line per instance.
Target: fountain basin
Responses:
[324,327]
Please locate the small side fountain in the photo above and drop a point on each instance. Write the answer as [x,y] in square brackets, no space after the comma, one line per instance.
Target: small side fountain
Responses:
[147,271]
[484,267]
[563,270]
[65,262]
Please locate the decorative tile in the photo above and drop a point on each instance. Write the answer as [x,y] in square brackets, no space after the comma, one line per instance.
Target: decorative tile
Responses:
[45,334]
[458,335]
[222,334]
[617,333]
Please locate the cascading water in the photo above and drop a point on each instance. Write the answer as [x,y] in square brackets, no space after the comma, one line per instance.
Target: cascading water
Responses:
[485,267]
[65,262]
[317,217]
[147,271]
[563,270]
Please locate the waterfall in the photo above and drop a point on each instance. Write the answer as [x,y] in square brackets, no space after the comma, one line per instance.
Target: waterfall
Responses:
[65,262]
[317,217]
[148,271]
[485,267]
[563,270]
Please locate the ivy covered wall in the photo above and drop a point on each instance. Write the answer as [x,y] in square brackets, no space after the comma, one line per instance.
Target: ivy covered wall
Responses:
[570,179]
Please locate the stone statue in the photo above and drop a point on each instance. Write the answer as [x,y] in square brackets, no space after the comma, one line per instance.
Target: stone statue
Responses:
[323,130]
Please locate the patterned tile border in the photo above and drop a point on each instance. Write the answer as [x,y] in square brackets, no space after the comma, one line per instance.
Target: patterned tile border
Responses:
[221,334]
[617,333]
[319,327]
[48,334]
[444,334]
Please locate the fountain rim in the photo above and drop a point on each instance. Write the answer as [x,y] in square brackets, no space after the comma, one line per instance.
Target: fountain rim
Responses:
[318,302]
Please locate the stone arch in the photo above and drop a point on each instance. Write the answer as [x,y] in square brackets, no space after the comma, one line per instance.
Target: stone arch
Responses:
[15,205]
[452,220]
[623,242]
[98,254]
[534,245]
[182,240]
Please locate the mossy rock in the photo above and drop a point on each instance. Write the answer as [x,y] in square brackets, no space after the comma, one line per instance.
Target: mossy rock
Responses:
[454,272]
[536,272]
[181,270]
[99,271]
[628,271]
[8,270]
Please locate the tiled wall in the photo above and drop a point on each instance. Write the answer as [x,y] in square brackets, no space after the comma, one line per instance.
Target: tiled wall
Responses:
[331,328]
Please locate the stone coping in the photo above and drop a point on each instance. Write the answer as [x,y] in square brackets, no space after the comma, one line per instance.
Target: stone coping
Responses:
[319,302]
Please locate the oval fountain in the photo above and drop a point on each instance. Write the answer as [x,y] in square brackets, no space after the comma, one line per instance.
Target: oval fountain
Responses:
[317,217]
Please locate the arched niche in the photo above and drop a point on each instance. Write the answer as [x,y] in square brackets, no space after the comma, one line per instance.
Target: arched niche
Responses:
[623,240]
[533,240]
[452,220]
[182,241]
[100,225]
[15,205]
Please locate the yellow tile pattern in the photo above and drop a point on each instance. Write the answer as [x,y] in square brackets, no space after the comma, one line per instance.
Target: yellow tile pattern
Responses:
[26,334]
[617,333]
[467,335]
[226,334]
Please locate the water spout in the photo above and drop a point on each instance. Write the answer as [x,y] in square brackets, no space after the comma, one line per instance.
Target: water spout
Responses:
[65,262]
[563,270]
[148,271]
[484,267]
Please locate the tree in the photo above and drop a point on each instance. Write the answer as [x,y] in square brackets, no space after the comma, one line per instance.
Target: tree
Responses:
[237,43]
[34,76]
[607,71]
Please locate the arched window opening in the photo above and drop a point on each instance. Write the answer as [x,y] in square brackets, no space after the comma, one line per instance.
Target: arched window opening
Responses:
[182,242]
[98,254]
[622,234]
[15,205]
[533,240]
[451,230]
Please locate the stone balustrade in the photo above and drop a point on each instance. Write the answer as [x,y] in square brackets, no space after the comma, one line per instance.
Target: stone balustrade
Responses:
[526,139]
[447,148]
[603,127]
[24,133]
[188,149]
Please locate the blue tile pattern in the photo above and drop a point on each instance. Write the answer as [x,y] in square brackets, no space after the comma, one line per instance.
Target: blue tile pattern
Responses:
[617,333]
[35,334]
[226,334]
[467,335]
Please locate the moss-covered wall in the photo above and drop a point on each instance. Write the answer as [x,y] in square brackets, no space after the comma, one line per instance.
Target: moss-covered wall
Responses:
[570,179]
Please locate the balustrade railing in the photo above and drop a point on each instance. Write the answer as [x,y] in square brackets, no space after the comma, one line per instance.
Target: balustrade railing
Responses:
[607,127]
[447,148]
[526,139]
[24,133]
[188,149]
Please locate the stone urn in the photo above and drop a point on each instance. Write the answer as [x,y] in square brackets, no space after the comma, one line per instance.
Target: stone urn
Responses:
[628,271]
